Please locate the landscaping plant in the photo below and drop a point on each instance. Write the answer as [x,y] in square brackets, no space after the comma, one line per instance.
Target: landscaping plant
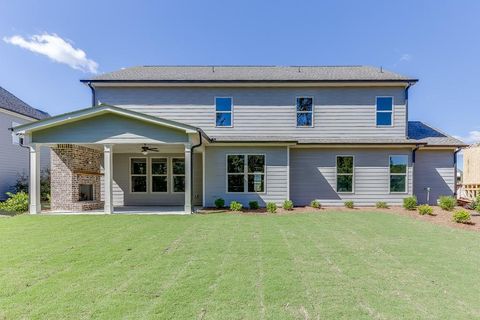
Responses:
[16,203]
[315,204]
[271,207]
[447,202]
[410,203]
[288,205]
[349,204]
[381,205]
[461,216]
[219,203]
[425,209]
[253,205]
[236,206]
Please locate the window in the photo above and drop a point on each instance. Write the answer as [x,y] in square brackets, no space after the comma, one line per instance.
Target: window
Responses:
[138,174]
[384,111]
[398,173]
[246,173]
[223,112]
[345,174]
[178,174]
[304,112]
[159,170]
[15,138]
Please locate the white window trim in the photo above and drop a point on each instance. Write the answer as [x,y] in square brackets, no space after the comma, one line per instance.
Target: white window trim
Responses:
[231,111]
[392,118]
[158,175]
[176,175]
[398,174]
[312,112]
[15,138]
[345,174]
[130,175]
[245,173]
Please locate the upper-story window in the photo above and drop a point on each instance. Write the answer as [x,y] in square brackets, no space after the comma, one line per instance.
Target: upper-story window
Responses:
[384,111]
[304,112]
[223,111]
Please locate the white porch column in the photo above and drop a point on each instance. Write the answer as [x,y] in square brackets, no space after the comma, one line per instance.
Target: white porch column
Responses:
[188,179]
[34,184]
[108,178]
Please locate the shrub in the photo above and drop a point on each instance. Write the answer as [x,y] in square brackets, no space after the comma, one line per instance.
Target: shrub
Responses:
[16,203]
[461,216]
[219,203]
[315,204]
[381,205]
[447,202]
[271,207]
[288,205]
[410,203]
[21,184]
[236,206]
[425,209]
[253,205]
[349,204]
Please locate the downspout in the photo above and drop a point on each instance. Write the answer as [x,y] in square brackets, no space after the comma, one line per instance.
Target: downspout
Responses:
[191,165]
[455,171]
[406,109]
[94,98]
[414,156]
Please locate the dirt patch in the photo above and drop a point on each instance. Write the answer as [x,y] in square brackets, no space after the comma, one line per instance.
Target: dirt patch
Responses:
[439,216]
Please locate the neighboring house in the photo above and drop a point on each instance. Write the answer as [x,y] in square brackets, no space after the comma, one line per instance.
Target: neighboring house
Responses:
[14,158]
[247,133]
[471,171]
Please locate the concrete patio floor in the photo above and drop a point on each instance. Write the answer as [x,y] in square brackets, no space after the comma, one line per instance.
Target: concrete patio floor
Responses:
[158,210]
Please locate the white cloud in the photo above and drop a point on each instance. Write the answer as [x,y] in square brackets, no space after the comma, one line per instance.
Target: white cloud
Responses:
[471,138]
[57,49]
[406,57]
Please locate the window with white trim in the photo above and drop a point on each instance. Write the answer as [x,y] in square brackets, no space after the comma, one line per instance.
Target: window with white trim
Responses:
[15,138]
[398,173]
[223,111]
[138,175]
[159,173]
[246,173]
[178,174]
[304,107]
[345,174]
[384,111]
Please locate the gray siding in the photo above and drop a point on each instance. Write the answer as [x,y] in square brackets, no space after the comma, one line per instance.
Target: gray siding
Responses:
[121,183]
[313,176]
[339,112]
[109,128]
[276,175]
[434,169]
[13,158]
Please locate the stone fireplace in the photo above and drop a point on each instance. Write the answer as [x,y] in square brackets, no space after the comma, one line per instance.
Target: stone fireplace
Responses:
[75,178]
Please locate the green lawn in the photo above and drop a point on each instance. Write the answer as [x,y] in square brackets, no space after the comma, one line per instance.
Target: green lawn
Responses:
[331,265]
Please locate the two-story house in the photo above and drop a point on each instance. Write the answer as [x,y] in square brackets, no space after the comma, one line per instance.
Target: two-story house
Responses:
[187,135]
[14,158]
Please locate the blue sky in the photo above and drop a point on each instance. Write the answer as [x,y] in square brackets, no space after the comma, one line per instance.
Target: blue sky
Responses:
[436,41]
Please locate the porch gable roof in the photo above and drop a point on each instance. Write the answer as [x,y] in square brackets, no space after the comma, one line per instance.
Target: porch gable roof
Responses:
[96,111]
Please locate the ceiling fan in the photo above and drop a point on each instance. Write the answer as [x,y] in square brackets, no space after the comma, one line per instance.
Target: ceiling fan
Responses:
[145,149]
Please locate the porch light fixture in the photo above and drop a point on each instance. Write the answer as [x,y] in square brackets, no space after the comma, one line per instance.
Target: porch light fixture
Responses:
[145,152]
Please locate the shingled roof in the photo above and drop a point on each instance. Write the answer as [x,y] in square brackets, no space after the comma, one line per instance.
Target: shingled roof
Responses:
[11,103]
[250,74]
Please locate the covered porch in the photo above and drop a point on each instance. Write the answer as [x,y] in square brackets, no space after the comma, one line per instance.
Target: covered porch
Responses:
[113,160]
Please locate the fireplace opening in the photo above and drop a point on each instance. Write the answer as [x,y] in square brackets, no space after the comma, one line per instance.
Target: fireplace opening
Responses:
[85,192]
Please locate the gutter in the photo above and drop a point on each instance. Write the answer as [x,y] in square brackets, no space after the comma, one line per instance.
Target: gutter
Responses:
[247,81]
[94,98]
[200,135]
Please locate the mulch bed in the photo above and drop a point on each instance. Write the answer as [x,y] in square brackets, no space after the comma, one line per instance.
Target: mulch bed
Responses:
[439,216]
